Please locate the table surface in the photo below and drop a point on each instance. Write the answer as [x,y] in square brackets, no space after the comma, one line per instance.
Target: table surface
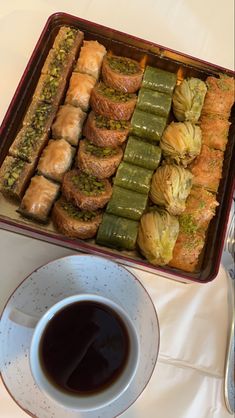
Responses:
[188,379]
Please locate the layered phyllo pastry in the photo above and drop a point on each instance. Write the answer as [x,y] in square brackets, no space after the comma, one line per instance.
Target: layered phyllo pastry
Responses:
[28,144]
[133,177]
[90,58]
[105,132]
[68,124]
[86,191]
[39,116]
[207,168]
[141,153]
[117,232]
[127,203]
[101,162]
[220,96]
[159,80]
[112,103]
[187,250]
[199,210]
[56,159]
[148,126]
[39,198]
[188,99]
[79,91]
[73,222]
[68,40]
[154,102]
[122,73]
[50,89]
[214,131]
[14,177]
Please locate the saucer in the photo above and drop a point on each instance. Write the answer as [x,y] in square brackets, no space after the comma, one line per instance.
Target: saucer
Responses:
[45,287]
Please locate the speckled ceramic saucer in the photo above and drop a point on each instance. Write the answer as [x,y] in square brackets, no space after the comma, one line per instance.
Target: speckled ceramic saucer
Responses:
[42,289]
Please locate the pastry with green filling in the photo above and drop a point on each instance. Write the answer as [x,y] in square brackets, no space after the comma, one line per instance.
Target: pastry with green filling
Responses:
[38,199]
[105,132]
[101,162]
[147,126]
[133,177]
[117,232]
[154,102]
[121,73]
[50,89]
[141,153]
[39,116]
[15,175]
[73,222]
[68,39]
[159,80]
[127,203]
[188,99]
[113,104]
[86,191]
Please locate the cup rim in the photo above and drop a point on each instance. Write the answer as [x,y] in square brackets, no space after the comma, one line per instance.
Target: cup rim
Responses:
[72,401]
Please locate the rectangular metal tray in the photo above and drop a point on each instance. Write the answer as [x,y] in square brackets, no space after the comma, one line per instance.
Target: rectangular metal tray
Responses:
[121,44]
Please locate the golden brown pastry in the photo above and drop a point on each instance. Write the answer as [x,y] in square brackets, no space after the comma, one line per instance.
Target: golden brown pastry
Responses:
[90,58]
[122,73]
[100,162]
[207,168]
[73,222]
[56,159]
[86,191]
[214,131]
[14,177]
[79,91]
[68,124]
[220,96]
[39,198]
[187,251]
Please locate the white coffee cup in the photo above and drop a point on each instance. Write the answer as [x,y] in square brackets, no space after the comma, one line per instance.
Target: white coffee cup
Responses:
[76,401]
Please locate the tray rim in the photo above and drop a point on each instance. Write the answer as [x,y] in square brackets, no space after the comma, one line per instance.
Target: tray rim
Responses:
[78,245]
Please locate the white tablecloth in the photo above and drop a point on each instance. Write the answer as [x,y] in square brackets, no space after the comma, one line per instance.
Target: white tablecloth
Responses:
[188,379]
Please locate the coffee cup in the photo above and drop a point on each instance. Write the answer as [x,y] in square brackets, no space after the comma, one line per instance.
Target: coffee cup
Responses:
[84,351]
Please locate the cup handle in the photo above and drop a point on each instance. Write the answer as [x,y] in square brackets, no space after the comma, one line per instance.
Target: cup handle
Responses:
[21,318]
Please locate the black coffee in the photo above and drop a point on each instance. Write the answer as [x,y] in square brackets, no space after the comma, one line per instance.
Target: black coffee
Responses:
[84,348]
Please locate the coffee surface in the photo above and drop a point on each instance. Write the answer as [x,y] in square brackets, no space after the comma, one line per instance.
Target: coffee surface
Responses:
[84,348]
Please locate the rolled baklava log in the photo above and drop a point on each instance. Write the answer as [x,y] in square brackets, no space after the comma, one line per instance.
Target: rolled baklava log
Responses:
[86,191]
[122,73]
[38,199]
[56,159]
[142,154]
[133,177]
[127,203]
[105,132]
[68,124]
[112,103]
[73,222]
[219,97]
[214,131]
[90,58]
[98,161]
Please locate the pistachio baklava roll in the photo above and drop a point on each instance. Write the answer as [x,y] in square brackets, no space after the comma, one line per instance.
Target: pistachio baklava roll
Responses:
[112,103]
[155,102]
[141,153]
[38,199]
[133,177]
[121,73]
[73,222]
[127,203]
[86,191]
[105,132]
[117,232]
[101,162]
[159,80]
[14,177]
[146,125]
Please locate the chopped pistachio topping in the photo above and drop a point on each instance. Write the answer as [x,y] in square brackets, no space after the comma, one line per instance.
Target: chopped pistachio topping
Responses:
[88,185]
[50,89]
[187,224]
[27,142]
[99,151]
[105,123]
[13,173]
[40,116]
[114,95]
[123,65]
[76,213]
[68,41]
